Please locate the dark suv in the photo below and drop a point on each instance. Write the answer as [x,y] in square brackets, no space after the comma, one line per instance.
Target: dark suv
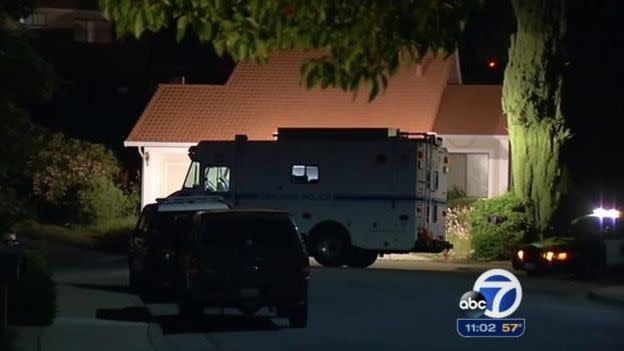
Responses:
[154,244]
[246,259]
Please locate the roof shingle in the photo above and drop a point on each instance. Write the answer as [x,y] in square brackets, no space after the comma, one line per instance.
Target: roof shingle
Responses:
[471,109]
[257,99]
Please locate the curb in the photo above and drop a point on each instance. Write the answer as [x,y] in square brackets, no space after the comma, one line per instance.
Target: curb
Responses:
[593,295]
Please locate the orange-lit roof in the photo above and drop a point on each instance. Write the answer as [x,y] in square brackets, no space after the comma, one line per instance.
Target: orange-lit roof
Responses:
[257,99]
[472,110]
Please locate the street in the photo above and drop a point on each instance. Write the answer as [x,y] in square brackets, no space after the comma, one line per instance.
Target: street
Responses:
[393,306]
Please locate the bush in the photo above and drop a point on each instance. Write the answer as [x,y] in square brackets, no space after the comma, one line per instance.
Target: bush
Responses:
[497,226]
[64,165]
[458,231]
[32,299]
[74,181]
[102,201]
[462,202]
[455,193]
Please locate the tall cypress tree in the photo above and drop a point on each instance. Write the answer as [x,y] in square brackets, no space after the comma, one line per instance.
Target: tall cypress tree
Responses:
[532,100]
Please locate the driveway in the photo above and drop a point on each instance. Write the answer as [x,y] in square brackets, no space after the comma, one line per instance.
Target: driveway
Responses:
[396,305]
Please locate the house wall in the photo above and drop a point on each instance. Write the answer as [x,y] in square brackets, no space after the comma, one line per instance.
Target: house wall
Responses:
[164,167]
[164,170]
[497,149]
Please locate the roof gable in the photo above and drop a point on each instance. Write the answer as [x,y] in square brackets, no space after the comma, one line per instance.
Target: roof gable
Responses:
[257,99]
[471,109]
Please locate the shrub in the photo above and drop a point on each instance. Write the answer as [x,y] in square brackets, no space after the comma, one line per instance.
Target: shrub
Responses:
[102,201]
[32,299]
[462,202]
[497,226]
[65,164]
[455,193]
[458,230]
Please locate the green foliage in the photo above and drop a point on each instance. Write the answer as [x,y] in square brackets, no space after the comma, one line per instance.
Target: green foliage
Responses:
[458,230]
[363,41]
[497,226]
[65,165]
[15,9]
[32,299]
[455,193]
[462,201]
[532,100]
[100,200]
[25,78]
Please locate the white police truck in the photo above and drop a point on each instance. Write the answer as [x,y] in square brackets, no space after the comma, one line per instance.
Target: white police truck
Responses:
[354,193]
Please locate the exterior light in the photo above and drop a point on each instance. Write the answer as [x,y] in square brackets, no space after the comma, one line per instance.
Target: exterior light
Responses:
[492,64]
[520,255]
[606,213]
[562,256]
[549,255]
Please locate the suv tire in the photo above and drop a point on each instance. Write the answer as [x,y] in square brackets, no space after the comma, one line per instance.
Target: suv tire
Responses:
[136,283]
[298,316]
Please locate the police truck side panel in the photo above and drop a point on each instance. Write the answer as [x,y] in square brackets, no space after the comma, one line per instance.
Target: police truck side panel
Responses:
[353,197]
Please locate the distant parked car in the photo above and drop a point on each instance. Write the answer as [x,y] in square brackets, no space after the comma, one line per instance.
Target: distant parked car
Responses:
[594,243]
[246,259]
[154,244]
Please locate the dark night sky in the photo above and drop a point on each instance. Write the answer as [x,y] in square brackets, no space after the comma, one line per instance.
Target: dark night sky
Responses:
[104,95]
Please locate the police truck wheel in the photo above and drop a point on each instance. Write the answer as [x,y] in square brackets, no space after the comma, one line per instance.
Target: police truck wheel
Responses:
[330,250]
[360,258]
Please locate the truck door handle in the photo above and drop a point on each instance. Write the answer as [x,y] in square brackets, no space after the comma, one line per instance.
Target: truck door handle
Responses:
[306,215]
[403,217]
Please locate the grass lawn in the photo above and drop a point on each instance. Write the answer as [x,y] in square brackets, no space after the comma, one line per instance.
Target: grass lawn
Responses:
[108,236]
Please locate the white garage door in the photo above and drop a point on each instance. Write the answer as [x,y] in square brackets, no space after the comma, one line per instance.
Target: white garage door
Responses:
[468,172]
[173,170]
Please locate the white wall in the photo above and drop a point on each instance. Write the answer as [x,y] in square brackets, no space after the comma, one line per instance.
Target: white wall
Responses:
[497,149]
[164,169]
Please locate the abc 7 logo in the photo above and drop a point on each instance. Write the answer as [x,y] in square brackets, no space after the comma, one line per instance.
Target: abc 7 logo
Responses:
[473,304]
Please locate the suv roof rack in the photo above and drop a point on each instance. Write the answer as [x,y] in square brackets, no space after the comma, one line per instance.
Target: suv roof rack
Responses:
[188,199]
[191,203]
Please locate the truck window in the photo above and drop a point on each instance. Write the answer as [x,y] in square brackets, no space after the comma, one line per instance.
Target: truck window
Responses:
[304,174]
[193,176]
[268,232]
[217,179]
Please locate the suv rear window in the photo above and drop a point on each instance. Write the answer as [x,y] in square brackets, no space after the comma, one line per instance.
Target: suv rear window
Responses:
[175,222]
[263,231]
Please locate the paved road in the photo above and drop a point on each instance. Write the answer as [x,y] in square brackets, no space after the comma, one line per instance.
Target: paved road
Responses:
[393,307]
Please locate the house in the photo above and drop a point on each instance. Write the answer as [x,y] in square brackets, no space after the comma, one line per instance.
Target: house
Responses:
[257,99]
